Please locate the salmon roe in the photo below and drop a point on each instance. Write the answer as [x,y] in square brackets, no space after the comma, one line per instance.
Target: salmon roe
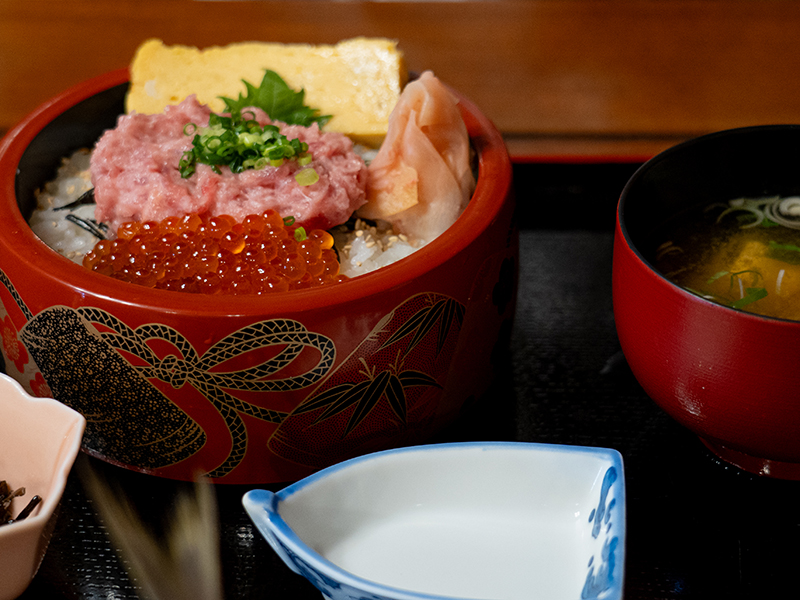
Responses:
[217,255]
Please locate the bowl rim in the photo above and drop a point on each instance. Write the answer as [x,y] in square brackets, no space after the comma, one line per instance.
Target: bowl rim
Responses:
[270,502]
[613,456]
[492,189]
[622,225]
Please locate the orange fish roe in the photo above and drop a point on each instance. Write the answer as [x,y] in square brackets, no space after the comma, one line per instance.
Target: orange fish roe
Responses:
[217,255]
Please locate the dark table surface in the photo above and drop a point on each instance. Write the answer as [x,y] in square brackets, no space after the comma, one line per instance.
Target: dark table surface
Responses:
[696,528]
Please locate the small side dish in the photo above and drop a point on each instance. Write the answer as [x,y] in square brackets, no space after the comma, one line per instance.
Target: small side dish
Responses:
[39,441]
[498,520]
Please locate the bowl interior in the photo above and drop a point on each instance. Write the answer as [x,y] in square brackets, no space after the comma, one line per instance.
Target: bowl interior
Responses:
[77,118]
[751,161]
[470,521]
[77,127]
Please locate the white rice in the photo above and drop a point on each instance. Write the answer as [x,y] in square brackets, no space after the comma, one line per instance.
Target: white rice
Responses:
[369,247]
[361,249]
[51,224]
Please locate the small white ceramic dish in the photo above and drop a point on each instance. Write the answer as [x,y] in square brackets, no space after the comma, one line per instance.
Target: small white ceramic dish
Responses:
[488,521]
[39,441]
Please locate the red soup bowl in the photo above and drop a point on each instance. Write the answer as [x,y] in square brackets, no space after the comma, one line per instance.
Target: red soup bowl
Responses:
[251,389]
[729,376]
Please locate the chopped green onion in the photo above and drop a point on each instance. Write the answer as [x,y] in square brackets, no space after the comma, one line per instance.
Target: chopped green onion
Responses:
[239,144]
[776,246]
[788,253]
[249,139]
[300,234]
[717,275]
[752,295]
[766,222]
[306,177]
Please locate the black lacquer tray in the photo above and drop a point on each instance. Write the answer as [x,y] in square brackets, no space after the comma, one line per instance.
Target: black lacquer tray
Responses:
[696,528]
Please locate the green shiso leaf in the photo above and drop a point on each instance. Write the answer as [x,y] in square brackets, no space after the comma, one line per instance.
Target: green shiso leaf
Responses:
[278,100]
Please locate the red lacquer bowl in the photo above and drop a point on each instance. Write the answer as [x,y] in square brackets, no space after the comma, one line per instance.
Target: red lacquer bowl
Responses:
[729,376]
[251,389]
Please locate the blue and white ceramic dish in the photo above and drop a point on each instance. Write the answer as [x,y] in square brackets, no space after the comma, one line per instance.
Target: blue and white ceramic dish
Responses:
[488,521]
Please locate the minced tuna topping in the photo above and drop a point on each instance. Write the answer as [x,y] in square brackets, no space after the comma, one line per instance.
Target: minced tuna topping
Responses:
[136,177]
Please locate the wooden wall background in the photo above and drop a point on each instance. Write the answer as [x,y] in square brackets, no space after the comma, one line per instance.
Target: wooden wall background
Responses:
[560,78]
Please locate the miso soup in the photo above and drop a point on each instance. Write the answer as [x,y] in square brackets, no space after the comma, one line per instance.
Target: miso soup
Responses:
[744,254]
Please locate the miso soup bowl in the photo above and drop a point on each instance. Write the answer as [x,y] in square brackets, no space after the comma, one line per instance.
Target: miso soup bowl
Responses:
[729,376]
[251,389]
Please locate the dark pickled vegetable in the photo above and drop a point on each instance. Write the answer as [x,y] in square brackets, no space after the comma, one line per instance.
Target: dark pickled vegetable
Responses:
[7,494]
